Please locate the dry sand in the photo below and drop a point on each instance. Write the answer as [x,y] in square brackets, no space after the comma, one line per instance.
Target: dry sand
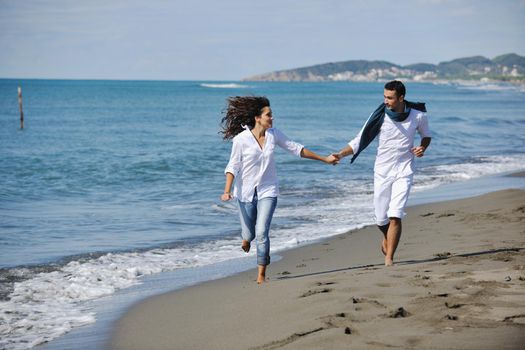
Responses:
[458,283]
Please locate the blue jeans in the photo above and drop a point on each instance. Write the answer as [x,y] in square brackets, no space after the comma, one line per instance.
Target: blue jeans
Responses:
[256,217]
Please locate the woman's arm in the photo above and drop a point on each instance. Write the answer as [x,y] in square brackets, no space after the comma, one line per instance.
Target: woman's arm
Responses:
[232,169]
[299,150]
[227,195]
[306,153]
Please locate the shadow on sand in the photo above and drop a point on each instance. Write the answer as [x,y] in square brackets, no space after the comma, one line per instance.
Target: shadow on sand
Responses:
[404,262]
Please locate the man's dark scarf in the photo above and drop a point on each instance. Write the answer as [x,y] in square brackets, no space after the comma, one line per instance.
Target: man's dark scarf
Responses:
[373,125]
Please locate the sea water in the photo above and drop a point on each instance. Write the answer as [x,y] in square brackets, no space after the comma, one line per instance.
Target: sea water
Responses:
[114,181]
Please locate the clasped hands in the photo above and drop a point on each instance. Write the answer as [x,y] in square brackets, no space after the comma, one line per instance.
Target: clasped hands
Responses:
[333,158]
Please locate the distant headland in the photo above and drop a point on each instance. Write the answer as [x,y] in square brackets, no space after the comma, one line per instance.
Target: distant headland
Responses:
[508,68]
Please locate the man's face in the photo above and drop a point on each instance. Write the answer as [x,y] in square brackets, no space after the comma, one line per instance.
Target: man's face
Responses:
[392,101]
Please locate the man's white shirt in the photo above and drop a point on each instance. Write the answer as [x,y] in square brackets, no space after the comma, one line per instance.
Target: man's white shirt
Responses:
[396,140]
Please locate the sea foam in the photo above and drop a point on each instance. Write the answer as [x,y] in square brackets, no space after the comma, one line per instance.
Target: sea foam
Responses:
[224,86]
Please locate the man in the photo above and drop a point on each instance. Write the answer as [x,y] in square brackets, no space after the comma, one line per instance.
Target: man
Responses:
[396,122]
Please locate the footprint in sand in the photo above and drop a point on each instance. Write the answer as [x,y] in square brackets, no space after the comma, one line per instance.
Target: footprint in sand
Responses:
[311,259]
[453,306]
[443,255]
[316,291]
[364,310]
[318,284]
[383,285]
[400,312]
[339,320]
[519,210]
[356,300]
[455,274]
[515,319]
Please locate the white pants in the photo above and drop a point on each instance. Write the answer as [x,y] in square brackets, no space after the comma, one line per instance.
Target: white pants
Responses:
[390,197]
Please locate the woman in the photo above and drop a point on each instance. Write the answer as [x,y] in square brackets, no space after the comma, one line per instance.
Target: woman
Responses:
[248,120]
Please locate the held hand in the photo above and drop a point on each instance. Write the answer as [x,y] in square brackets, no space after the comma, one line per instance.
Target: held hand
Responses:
[419,151]
[332,159]
[226,197]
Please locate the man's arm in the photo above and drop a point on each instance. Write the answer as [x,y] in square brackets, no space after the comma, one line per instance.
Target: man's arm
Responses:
[420,151]
[424,131]
[344,152]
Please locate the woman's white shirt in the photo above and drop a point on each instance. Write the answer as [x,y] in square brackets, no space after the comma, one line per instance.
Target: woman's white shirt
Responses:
[254,167]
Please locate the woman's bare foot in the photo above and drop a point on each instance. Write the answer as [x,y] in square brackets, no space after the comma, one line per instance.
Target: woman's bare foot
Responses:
[261,276]
[389,262]
[245,246]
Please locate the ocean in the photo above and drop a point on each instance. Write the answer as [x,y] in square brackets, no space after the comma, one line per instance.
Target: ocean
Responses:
[114,183]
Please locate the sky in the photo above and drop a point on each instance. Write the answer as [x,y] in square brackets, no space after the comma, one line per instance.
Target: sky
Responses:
[227,40]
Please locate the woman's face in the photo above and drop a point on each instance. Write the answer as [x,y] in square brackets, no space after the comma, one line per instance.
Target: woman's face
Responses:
[266,118]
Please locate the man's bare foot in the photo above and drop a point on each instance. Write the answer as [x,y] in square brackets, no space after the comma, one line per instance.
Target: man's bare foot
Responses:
[245,246]
[261,279]
[389,262]
[383,247]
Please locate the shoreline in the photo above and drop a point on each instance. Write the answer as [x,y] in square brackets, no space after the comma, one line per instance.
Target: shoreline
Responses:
[325,273]
[111,309]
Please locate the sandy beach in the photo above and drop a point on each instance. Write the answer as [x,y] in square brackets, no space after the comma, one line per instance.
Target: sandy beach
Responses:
[458,283]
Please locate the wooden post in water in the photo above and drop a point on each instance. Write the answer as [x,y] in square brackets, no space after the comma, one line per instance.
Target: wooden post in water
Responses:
[20,106]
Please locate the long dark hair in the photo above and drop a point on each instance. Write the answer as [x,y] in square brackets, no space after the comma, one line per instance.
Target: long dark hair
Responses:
[241,110]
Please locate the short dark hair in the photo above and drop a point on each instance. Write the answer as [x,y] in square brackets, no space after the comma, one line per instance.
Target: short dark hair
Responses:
[397,86]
